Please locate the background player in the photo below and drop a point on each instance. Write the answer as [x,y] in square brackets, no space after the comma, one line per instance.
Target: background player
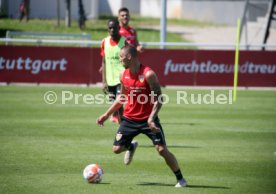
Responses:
[127,31]
[111,65]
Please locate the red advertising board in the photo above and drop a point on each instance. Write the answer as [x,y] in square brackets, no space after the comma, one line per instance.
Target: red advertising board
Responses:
[212,67]
[48,64]
[174,67]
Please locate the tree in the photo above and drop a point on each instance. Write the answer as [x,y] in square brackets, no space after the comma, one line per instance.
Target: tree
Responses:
[58,13]
[68,13]
[82,17]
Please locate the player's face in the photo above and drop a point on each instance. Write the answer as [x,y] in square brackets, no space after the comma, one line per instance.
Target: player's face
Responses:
[124,59]
[113,29]
[124,17]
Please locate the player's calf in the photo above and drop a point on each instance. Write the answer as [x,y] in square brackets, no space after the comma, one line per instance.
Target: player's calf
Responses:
[118,149]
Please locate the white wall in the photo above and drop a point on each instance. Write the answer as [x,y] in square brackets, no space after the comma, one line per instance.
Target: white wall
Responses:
[216,11]
[132,5]
[223,12]
[219,11]
[48,9]
[111,7]
[152,8]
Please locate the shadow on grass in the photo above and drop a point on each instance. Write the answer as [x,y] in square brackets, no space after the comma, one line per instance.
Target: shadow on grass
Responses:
[155,184]
[207,187]
[170,146]
[188,186]
[102,183]
[179,123]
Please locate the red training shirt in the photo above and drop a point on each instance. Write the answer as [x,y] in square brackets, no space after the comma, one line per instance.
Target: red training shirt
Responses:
[139,102]
[130,34]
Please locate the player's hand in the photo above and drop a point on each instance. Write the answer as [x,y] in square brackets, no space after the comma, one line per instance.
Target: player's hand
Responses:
[100,121]
[153,126]
[101,70]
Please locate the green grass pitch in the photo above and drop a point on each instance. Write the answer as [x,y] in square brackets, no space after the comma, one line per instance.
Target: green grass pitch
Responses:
[220,148]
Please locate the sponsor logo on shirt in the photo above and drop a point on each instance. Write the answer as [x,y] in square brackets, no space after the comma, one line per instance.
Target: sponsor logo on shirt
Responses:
[141,78]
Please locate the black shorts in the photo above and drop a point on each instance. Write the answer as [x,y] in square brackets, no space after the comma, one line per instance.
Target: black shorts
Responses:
[113,91]
[129,129]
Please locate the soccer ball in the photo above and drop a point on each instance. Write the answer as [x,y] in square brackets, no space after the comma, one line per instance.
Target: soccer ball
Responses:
[93,173]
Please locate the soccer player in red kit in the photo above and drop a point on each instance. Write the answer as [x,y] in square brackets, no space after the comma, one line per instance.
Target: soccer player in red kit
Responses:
[127,31]
[141,92]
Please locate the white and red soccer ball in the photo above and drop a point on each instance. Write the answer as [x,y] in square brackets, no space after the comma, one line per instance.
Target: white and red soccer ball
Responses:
[93,173]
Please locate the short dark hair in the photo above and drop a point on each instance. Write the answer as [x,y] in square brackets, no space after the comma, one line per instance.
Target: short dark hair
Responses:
[131,50]
[123,9]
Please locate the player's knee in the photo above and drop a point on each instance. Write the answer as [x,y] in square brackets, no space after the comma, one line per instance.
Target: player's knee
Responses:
[161,149]
[117,149]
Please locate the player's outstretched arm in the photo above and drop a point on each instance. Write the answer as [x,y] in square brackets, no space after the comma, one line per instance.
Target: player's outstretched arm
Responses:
[113,108]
